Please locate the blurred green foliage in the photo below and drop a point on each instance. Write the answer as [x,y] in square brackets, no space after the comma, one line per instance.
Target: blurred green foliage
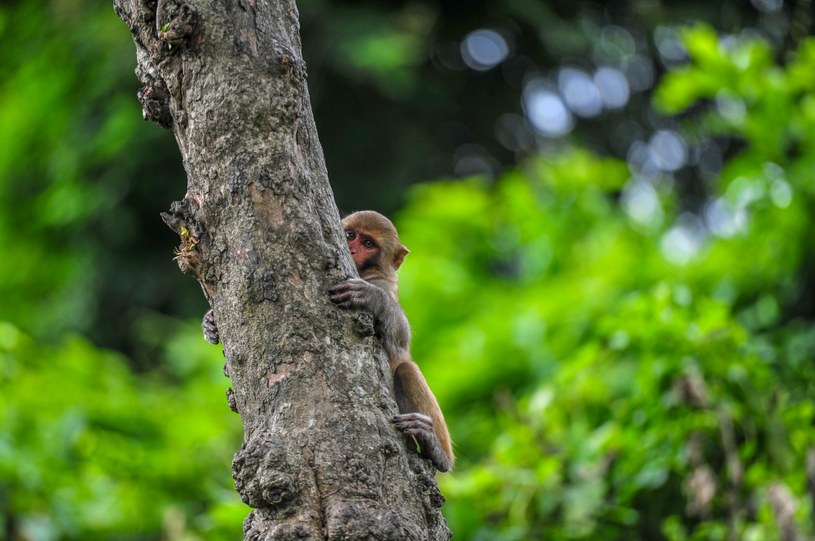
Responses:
[82,180]
[597,385]
[88,450]
[598,391]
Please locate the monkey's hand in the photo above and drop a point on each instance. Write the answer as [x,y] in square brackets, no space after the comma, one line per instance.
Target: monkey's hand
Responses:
[356,292]
[420,426]
[210,328]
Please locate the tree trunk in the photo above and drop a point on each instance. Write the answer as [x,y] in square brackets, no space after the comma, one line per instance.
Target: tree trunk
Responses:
[261,232]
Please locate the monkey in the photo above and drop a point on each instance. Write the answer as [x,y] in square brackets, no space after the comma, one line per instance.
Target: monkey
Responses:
[378,253]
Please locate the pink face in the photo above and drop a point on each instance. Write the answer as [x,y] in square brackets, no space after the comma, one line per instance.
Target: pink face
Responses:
[362,245]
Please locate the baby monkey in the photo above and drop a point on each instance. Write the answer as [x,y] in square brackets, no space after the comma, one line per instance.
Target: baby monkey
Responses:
[377,253]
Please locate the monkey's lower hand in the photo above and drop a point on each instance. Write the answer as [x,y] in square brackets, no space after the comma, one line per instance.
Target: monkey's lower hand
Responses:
[210,328]
[356,292]
[420,426]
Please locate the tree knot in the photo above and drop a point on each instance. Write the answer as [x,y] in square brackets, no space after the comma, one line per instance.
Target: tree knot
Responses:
[180,219]
[261,478]
[180,28]
[155,101]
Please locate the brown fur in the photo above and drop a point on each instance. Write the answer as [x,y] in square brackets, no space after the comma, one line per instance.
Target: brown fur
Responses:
[413,394]
[418,397]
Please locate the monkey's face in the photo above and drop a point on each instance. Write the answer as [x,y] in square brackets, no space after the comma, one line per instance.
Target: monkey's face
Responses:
[373,241]
[364,249]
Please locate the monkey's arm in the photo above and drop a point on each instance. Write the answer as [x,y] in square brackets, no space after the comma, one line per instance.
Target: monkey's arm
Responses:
[389,319]
[420,414]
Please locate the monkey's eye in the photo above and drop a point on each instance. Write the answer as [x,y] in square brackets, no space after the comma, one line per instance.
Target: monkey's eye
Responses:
[368,243]
[350,234]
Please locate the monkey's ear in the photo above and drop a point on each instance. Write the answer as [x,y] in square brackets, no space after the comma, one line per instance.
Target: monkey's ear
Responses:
[399,256]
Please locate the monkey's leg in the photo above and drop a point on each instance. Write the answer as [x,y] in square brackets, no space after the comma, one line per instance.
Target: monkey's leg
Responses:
[420,415]
[210,328]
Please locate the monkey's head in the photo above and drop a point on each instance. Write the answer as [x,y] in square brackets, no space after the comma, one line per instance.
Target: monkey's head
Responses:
[373,241]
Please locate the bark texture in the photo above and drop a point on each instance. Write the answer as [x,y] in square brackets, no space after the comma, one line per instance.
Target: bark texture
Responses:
[260,231]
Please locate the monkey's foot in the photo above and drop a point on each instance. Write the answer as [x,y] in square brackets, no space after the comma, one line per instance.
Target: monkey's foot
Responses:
[210,328]
[420,426]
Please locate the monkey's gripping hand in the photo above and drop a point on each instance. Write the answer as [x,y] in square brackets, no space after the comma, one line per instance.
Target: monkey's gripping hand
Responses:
[420,426]
[356,292]
[389,320]
[210,328]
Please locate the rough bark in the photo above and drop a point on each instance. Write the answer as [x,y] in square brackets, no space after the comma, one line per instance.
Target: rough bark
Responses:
[260,231]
